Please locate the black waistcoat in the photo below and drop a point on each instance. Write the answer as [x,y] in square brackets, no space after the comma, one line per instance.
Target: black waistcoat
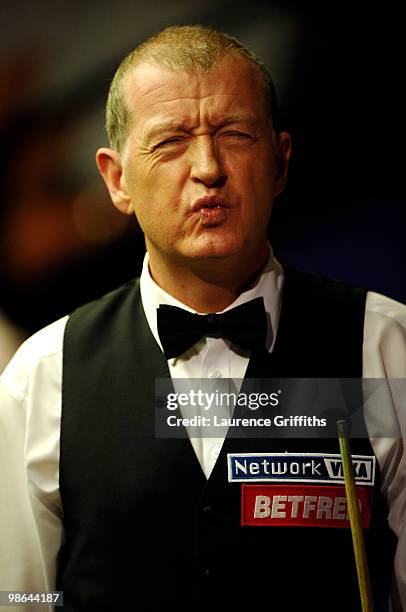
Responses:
[144,529]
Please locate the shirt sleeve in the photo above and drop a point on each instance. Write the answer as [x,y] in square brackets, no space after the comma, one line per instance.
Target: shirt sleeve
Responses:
[31,530]
[385,357]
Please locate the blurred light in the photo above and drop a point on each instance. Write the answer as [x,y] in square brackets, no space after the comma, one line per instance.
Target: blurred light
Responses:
[95,218]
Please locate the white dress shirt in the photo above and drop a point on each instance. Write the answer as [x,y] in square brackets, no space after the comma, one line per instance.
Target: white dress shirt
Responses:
[31,527]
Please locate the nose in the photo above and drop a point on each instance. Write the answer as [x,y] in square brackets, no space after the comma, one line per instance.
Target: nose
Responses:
[206,165]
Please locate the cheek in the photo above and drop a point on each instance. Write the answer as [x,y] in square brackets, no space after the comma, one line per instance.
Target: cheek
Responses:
[256,188]
[156,203]
[265,180]
[160,186]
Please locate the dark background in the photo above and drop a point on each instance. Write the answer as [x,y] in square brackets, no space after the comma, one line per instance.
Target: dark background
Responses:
[338,70]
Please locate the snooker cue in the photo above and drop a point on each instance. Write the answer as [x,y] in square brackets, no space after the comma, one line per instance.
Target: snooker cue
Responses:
[358,542]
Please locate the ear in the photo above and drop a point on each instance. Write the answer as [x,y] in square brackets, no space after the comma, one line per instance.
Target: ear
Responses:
[283,151]
[109,164]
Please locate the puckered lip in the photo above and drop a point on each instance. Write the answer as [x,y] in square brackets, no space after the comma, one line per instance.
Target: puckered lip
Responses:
[209,202]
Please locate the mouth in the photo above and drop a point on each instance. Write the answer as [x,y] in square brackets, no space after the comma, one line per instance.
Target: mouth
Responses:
[212,211]
[208,203]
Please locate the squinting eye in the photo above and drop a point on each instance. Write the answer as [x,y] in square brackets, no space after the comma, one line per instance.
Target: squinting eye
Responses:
[237,135]
[170,141]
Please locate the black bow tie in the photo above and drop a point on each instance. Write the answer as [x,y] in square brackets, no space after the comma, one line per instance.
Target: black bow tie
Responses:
[246,326]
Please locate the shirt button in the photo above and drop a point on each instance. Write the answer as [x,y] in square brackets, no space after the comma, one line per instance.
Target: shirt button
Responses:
[214,373]
[207,573]
[208,510]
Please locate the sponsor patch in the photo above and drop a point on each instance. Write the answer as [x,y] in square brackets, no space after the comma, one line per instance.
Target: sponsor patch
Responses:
[301,506]
[322,468]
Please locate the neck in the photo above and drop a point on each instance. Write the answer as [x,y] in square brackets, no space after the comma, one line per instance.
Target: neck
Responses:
[206,285]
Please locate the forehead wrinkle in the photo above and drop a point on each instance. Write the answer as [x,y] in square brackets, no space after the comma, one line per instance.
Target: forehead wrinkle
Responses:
[172,108]
[179,98]
[141,90]
[191,115]
[147,88]
[151,82]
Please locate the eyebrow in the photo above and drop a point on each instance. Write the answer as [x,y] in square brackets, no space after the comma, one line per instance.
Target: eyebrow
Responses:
[174,126]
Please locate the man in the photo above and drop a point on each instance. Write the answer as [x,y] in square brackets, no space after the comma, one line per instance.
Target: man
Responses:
[118,518]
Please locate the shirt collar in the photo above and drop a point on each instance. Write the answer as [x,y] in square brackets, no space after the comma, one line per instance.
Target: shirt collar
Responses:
[268,284]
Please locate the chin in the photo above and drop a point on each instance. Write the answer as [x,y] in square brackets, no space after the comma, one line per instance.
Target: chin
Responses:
[215,247]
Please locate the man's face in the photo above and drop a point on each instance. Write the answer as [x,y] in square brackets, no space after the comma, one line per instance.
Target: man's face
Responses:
[201,164]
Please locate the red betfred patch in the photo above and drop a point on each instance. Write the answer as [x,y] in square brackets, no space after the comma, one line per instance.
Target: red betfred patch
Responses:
[301,506]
